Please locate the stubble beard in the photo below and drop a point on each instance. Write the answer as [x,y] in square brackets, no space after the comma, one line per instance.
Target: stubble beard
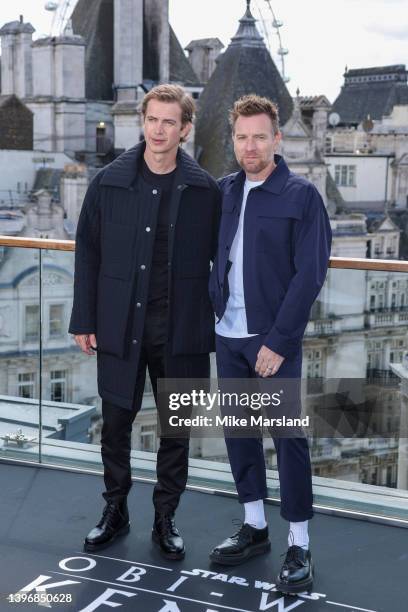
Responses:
[255,167]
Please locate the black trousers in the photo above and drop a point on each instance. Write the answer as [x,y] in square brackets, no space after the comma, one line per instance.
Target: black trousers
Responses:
[172,456]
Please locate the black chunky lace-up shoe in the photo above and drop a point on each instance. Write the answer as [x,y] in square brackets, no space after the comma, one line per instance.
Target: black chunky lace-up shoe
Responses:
[114,522]
[166,535]
[296,574]
[244,544]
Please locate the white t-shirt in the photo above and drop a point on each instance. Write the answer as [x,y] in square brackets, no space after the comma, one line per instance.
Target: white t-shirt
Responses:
[234,322]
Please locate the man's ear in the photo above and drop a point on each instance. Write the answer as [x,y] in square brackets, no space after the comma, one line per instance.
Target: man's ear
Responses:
[185,131]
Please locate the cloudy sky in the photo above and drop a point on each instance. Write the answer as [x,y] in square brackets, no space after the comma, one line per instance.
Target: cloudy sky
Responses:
[323,36]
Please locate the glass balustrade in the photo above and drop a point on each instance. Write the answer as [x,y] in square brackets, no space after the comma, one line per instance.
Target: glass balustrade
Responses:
[50,410]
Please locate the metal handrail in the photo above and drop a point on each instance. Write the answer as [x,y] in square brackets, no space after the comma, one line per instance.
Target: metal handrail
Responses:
[347,263]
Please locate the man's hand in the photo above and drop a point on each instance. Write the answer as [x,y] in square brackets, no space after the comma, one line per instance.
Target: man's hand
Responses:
[86,342]
[268,362]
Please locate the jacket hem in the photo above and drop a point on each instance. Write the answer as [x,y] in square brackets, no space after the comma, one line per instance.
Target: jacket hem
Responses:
[114,398]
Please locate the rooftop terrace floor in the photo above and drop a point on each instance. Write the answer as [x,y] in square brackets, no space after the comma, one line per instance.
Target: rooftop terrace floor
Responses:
[46,513]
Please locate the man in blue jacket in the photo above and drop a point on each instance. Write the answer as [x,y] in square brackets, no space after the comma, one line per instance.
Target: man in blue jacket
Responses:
[273,253]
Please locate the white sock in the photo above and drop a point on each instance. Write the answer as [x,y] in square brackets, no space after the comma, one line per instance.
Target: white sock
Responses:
[298,535]
[255,514]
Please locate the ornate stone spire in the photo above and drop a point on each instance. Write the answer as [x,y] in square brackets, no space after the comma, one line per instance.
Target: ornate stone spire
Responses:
[247,34]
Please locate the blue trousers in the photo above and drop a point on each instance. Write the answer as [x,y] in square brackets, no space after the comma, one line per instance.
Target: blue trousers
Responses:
[236,358]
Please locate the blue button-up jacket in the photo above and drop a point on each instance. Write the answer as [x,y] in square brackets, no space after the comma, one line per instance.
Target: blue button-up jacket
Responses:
[287,240]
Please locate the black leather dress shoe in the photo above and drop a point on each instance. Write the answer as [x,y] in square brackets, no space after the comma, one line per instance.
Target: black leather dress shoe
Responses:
[166,535]
[114,522]
[244,544]
[296,574]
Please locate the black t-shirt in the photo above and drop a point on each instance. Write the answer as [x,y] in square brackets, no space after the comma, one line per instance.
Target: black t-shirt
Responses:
[158,287]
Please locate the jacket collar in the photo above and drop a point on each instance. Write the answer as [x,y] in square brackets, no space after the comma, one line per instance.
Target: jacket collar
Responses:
[275,182]
[124,169]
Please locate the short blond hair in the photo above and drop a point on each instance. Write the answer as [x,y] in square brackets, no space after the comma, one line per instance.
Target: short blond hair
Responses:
[250,105]
[172,93]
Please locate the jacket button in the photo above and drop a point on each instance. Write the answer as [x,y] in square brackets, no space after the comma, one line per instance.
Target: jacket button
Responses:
[138,305]
[134,341]
[227,248]
[171,226]
[169,264]
[143,267]
[154,192]
[147,229]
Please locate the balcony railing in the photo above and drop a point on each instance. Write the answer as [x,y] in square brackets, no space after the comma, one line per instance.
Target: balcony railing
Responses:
[48,387]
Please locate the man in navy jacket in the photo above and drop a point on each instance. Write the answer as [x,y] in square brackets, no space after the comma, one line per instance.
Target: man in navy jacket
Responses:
[273,253]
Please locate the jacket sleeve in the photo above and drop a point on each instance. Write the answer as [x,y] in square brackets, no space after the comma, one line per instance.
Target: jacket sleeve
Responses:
[312,242]
[213,282]
[87,262]
[216,221]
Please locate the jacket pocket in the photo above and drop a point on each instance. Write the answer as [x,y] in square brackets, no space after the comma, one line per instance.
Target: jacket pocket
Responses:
[117,251]
[113,308]
[275,226]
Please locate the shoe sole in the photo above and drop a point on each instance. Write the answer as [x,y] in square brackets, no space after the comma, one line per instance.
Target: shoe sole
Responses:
[256,549]
[94,547]
[295,589]
[167,555]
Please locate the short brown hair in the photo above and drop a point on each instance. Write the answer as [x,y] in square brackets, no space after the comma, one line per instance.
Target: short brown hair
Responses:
[172,93]
[250,105]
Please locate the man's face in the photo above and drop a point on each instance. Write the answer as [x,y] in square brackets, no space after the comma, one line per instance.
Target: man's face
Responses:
[163,128]
[255,142]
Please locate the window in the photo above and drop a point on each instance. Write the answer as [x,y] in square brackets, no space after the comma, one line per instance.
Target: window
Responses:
[58,386]
[345,175]
[148,437]
[314,372]
[32,323]
[26,382]
[352,176]
[148,389]
[56,320]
